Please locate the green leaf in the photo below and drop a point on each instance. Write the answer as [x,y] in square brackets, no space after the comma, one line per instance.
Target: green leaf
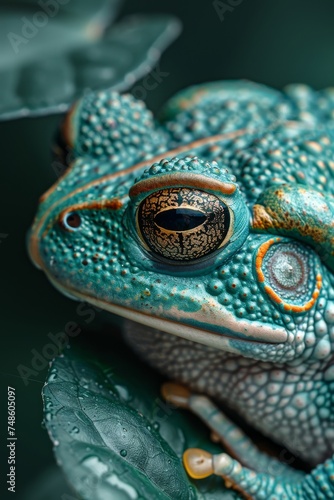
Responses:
[43,69]
[85,9]
[115,437]
[127,52]
[31,32]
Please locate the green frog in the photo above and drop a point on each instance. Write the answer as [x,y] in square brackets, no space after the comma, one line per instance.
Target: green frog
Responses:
[210,230]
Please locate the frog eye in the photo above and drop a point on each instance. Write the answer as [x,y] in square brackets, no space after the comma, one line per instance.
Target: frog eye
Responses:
[186,215]
[183,224]
[286,270]
[71,221]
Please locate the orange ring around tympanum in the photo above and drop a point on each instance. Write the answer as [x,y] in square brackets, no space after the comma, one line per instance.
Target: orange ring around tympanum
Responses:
[263,249]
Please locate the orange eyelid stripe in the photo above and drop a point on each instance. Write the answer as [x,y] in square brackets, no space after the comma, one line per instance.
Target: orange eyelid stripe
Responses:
[121,173]
[186,179]
[272,294]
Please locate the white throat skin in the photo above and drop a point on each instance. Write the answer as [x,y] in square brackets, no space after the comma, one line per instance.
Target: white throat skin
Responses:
[268,396]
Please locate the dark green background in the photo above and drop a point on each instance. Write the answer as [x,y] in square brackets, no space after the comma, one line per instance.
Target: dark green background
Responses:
[271,42]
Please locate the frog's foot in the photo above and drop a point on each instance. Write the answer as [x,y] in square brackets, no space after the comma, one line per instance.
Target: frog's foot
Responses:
[319,485]
[234,440]
[255,475]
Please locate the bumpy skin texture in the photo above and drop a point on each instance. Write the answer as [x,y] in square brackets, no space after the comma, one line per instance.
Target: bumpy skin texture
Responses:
[214,229]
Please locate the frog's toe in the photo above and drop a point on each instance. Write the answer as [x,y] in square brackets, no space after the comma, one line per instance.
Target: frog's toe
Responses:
[252,485]
[176,394]
[198,463]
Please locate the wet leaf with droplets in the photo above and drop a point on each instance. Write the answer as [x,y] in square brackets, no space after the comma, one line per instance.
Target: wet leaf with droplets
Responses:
[114,436]
[75,53]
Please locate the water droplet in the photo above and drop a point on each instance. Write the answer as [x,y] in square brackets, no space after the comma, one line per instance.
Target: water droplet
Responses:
[156,426]
[123,392]
[123,453]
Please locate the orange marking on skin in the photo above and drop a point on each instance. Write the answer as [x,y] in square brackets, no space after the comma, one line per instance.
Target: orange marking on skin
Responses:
[273,295]
[66,127]
[260,255]
[188,180]
[120,173]
[33,251]
[276,152]
[315,146]
[261,218]
[113,204]
[185,103]
[269,290]
[311,302]
[146,163]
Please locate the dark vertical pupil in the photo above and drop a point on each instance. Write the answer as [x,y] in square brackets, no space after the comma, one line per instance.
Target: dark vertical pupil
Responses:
[180,219]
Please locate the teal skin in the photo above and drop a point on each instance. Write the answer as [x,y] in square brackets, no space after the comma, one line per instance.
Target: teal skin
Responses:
[211,232]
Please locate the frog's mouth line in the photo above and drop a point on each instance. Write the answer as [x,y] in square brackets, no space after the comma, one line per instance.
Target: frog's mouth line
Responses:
[195,334]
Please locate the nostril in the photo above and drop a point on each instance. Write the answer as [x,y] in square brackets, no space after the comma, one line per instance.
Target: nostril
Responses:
[71,221]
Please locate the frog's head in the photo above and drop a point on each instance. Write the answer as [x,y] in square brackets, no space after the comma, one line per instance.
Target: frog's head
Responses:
[177,246]
[174,249]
